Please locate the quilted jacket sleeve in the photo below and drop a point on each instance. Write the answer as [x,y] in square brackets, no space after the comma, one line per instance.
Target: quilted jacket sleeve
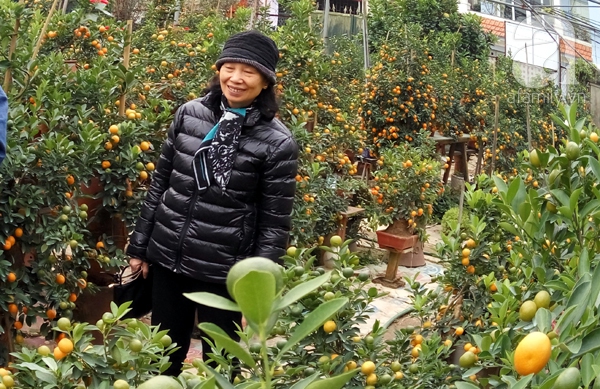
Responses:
[138,242]
[278,186]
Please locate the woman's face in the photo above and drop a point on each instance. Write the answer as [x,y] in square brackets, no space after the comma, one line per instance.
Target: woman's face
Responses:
[241,83]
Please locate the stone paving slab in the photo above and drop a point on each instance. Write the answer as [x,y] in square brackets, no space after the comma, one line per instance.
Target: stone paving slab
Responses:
[397,300]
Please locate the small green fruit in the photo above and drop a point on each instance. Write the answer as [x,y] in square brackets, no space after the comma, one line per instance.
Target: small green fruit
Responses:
[257,264]
[63,324]
[467,360]
[336,241]
[572,151]
[570,378]
[121,384]
[534,158]
[298,271]
[347,272]
[160,382]
[108,317]
[166,341]
[136,345]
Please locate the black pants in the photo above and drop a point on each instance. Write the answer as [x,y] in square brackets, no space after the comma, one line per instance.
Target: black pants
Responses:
[176,313]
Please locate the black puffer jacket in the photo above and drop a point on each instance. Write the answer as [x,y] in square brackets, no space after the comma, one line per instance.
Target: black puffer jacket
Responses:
[203,235]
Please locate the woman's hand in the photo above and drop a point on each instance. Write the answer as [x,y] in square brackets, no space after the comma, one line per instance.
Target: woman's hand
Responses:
[135,264]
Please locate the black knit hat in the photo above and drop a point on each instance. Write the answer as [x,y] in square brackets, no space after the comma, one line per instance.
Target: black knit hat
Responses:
[252,48]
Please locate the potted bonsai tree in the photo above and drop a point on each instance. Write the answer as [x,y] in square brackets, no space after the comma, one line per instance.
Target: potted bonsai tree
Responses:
[403,190]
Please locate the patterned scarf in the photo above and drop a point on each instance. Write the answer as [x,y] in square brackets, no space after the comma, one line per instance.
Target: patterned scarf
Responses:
[217,151]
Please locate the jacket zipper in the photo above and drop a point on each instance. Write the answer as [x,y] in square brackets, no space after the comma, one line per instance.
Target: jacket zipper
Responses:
[186,225]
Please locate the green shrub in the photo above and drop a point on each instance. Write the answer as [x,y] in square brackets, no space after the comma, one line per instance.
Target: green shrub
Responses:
[450,219]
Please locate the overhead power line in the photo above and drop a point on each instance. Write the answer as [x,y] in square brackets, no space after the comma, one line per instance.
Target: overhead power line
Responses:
[543,23]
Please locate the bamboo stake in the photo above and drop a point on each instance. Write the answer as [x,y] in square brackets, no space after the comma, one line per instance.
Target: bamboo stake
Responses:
[11,50]
[497,110]
[43,32]
[407,59]
[528,129]
[13,46]
[461,202]
[527,105]
[126,53]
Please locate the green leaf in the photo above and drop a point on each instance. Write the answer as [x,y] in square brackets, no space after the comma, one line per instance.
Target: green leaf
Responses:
[572,111]
[513,189]
[208,384]
[590,343]
[221,381]
[587,372]
[595,289]
[561,196]
[301,290]
[78,331]
[524,210]
[509,228]
[572,347]
[588,208]
[312,321]
[51,363]
[593,162]
[522,383]
[580,123]
[305,382]
[129,78]
[576,305]
[500,184]
[336,382]
[471,371]
[565,211]
[255,294]
[46,377]
[486,342]
[229,344]
[213,300]
[574,198]
[583,267]
[560,122]
[543,320]
[465,385]
[549,381]
[249,385]
[33,366]
[566,318]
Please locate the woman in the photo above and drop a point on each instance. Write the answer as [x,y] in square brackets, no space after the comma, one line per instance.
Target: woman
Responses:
[222,191]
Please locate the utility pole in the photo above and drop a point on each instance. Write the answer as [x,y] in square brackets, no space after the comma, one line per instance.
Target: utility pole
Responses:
[326,23]
[365,11]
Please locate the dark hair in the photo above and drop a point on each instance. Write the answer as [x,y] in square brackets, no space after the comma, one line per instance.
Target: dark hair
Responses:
[266,102]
